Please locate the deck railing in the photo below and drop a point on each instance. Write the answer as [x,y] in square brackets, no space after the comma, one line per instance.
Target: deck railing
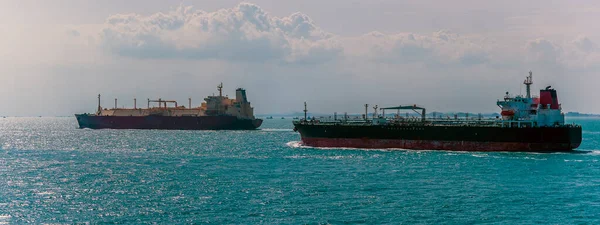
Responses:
[488,122]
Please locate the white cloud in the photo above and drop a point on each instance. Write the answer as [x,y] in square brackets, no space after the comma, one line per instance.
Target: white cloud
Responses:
[243,33]
[246,33]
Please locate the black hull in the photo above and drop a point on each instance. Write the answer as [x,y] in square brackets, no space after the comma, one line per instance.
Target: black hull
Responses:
[222,122]
[461,138]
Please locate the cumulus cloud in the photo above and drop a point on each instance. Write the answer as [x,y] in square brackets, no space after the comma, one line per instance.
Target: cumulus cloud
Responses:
[439,48]
[582,52]
[243,33]
[247,33]
[544,50]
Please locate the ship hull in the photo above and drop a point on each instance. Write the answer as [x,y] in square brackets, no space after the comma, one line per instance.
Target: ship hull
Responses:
[458,138]
[222,122]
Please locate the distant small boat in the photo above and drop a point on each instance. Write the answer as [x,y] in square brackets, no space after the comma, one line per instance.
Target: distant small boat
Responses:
[282,118]
[296,118]
[269,117]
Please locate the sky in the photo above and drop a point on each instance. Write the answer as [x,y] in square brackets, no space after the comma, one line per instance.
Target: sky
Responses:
[337,55]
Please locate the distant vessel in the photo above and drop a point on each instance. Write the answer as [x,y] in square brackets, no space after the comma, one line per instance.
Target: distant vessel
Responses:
[282,118]
[269,117]
[530,124]
[216,113]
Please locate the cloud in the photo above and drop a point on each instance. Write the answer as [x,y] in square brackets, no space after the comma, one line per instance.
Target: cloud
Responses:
[582,53]
[73,33]
[544,51]
[246,33]
[243,33]
[442,48]
[584,44]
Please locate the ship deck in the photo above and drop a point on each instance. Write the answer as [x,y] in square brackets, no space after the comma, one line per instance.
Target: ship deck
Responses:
[475,122]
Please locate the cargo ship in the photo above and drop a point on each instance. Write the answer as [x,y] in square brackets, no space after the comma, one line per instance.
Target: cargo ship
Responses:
[525,124]
[216,113]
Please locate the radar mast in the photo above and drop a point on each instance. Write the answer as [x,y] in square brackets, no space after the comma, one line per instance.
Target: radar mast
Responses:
[528,83]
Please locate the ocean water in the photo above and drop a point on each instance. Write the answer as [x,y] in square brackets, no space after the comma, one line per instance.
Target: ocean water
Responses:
[53,173]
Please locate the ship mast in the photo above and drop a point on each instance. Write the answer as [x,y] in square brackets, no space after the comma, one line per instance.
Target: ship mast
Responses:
[375,111]
[305,111]
[528,83]
[220,88]
[99,107]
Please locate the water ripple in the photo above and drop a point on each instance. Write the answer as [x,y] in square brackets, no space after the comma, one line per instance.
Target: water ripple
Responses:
[54,173]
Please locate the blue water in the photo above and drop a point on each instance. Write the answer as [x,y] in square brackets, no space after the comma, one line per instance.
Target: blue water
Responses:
[51,172]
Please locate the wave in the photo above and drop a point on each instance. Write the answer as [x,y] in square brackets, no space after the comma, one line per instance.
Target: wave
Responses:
[298,144]
[335,157]
[589,152]
[295,144]
[494,154]
[590,132]
[276,130]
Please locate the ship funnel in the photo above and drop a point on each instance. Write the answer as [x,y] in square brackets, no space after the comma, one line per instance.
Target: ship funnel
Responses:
[240,95]
[549,97]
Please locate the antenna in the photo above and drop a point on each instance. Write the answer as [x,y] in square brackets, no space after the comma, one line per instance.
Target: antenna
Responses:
[366,111]
[190,103]
[115,103]
[134,103]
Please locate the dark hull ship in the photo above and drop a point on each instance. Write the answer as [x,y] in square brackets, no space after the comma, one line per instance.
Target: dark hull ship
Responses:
[528,124]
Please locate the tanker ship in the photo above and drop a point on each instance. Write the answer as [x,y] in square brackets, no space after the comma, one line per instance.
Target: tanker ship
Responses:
[526,124]
[216,113]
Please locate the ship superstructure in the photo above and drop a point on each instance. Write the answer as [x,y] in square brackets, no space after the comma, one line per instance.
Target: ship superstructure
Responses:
[528,123]
[542,111]
[217,112]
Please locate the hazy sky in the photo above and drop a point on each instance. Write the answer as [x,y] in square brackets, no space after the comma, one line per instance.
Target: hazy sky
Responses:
[461,55]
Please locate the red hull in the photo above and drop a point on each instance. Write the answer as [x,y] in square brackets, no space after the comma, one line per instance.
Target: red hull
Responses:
[437,145]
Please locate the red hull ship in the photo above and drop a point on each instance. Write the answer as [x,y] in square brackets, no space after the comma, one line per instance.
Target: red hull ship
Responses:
[528,124]
[217,113]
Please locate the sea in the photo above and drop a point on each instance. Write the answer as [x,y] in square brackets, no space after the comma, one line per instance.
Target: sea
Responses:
[51,172]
